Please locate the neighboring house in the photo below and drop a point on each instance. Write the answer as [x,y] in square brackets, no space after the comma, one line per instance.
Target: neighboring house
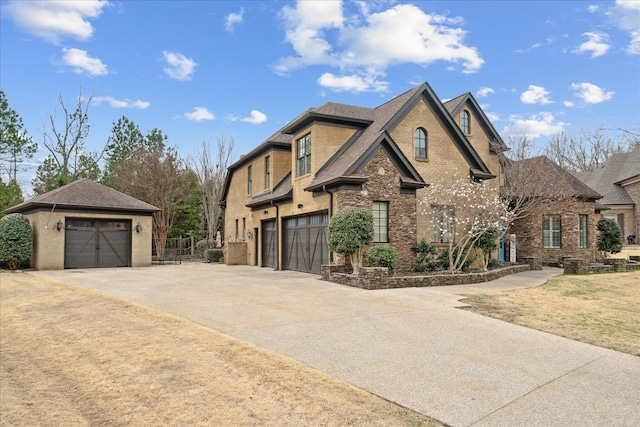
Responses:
[84,225]
[279,197]
[618,180]
[560,219]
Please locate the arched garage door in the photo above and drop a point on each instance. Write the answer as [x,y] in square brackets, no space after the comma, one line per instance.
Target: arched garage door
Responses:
[305,243]
[91,243]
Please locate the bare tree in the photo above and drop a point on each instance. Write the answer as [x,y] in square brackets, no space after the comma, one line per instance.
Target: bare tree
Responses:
[586,152]
[158,177]
[210,165]
[65,141]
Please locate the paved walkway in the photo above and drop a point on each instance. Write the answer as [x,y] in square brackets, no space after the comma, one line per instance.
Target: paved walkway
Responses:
[410,346]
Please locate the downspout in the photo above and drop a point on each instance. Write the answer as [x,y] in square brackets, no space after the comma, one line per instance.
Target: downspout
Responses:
[324,188]
[277,236]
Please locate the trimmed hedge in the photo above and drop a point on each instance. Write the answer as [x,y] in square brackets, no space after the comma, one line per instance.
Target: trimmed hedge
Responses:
[16,240]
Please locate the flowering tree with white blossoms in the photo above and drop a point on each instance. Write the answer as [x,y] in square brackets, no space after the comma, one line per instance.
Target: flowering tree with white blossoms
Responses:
[462,211]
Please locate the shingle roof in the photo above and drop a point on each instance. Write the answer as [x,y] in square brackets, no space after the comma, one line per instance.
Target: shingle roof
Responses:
[281,192]
[85,194]
[452,104]
[549,179]
[606,179]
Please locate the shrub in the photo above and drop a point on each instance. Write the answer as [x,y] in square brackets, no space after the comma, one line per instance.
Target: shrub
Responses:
[215,255]
[487,242]
[15,240]
[382,256]
[426,258]
[493,263]
[443,258]
[350,231]
[610,239]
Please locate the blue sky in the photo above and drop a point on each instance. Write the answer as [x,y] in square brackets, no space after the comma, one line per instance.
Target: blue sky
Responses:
[198,70]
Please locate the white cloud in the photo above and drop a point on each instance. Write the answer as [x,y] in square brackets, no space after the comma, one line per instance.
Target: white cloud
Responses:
[597,44]
[255,118]
[233,19]
[198,114]
[590,93]
[541,124]
[626,15]
[352,83]
[535,95]
[178,67]
[593,8]
[82,63]
[55,20]
[116,103]
[568,104]
[484,91]
[364,45]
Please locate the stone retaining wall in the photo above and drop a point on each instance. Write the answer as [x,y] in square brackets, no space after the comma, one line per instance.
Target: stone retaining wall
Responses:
[611,265]
[378,277]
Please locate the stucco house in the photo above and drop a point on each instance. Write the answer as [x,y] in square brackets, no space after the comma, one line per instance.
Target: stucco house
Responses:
[561,212]
[618,180]
[85,225]
[278,198]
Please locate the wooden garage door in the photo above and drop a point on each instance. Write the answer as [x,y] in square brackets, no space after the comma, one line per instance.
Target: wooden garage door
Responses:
[97,243]
[269,244]
[305,243]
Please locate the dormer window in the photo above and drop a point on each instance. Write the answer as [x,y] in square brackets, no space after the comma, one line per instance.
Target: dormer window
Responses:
[303,155]
[465,122]
[420,143]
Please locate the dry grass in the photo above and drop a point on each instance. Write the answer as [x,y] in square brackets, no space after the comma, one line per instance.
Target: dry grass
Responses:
[602,309]
[74,357]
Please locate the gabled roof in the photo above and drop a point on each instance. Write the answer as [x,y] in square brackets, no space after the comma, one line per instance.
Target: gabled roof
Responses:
[333,113]
[455,105]
[385,118]
[539,176]
[282,193]
[84,194]
[610,178]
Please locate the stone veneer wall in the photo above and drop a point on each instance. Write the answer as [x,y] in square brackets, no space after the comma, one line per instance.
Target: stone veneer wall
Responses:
[383,185]
[528,233]
[378,277]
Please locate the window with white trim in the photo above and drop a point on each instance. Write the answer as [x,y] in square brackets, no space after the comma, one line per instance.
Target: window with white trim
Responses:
[441,224]
[380,222]
[583,234]
[551,232]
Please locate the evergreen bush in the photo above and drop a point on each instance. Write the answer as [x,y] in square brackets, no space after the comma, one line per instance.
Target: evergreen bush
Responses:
[610,239]
[15,240]
[382,256]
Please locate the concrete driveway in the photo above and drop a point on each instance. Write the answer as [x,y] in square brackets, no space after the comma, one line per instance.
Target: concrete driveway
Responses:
[411,346]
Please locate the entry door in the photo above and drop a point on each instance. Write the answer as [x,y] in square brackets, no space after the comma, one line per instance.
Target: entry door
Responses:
[93,243]
[269,244]
[305,240]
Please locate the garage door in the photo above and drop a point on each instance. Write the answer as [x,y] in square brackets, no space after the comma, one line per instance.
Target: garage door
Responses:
[305,243]
[269,244]
[97,243]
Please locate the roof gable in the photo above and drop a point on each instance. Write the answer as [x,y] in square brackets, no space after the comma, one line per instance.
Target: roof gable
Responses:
[85,194]
[456,105]
[610,178]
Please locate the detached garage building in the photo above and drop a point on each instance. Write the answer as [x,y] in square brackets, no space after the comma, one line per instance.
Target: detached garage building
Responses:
[87,225]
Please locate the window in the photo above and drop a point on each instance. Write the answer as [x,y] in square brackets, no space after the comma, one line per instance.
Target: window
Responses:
[249,180]
[551,232]
[244,228]
[465,122]
[380,222]
[420,141]
[582,231]
[237,231]
[303,156]
[267,172]
[441,224]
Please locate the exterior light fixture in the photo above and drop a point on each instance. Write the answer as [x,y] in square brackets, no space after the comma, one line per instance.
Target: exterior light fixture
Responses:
[59,225]
[265,212]
[249,235]
[299,205]
[138,227]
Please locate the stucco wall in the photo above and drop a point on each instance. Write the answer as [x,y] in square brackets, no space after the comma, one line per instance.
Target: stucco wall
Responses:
[48,242]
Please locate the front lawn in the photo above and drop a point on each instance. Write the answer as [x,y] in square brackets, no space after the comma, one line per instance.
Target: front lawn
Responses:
[599,309]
